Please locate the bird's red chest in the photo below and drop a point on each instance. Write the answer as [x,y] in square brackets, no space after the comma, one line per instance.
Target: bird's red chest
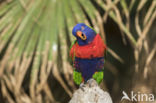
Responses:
[93,50]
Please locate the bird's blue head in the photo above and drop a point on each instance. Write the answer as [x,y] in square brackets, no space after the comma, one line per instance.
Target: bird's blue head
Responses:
[83,34]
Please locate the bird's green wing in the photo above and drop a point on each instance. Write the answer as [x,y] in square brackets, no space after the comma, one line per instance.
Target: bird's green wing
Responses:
[77,77]
[98,76]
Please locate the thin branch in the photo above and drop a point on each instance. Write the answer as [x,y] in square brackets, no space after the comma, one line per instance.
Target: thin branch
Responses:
[149,12]
[148,61]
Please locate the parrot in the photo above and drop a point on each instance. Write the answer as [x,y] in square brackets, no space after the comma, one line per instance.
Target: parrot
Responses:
[88,54]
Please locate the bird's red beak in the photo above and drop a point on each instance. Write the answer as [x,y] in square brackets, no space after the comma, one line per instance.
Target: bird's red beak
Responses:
[81,35]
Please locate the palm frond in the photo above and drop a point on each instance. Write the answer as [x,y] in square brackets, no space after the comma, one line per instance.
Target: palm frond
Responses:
[35,37]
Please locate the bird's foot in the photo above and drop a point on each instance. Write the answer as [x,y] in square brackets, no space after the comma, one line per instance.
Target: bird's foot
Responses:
[82,85]
[92,83]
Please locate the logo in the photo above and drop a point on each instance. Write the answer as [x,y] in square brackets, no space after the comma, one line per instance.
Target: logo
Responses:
[138,97]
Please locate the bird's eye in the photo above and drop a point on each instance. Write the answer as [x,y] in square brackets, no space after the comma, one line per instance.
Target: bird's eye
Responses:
[82,35]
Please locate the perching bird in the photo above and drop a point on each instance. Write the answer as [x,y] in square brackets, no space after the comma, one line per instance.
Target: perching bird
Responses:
[87,53]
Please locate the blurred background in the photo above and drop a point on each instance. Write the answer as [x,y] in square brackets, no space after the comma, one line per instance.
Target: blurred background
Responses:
[35,39]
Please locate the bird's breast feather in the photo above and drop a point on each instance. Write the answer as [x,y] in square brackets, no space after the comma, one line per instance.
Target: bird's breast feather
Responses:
[93,50]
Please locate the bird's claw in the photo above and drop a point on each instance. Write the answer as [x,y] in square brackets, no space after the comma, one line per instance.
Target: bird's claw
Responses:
[82,85]
[91,82]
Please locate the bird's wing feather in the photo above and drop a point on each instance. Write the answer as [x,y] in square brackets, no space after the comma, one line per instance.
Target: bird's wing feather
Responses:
[77,77]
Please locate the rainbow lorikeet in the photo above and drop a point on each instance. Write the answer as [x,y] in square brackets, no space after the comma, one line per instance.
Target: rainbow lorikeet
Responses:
[87,53]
